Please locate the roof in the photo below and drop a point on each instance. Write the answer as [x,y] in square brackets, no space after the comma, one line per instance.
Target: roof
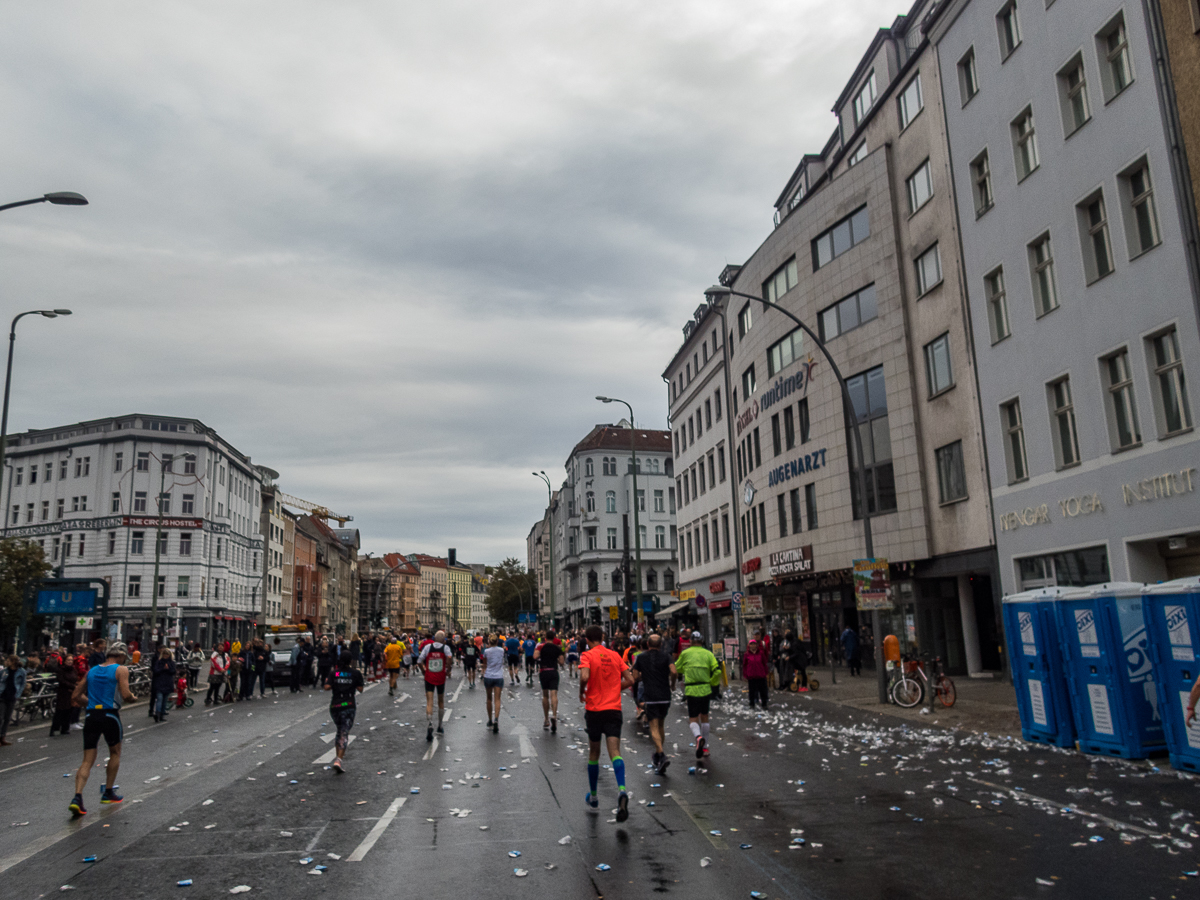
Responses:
[394,560]
[422,559]
[348,536]
[616,437]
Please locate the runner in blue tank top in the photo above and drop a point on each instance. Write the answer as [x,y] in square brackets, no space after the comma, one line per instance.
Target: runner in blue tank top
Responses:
[105,687]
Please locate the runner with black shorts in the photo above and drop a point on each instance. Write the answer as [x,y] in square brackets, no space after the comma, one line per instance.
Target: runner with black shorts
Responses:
[344,682]
[549,657]
[602,677]
[105,686]
[653,667]
[700,671]
[435,661]
[530,647]
[512,647]
[470,660]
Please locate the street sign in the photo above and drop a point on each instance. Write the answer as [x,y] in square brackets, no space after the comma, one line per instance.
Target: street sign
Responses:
[84,623]
[872,584]
[738,596]
[612,613]
[57,602]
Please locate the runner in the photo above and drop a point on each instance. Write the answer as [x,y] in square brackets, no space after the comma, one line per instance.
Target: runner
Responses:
[572,655]
[700,671]
[392,655]
[406,659]
[344,681]
[435,661]
[657,674]
[530,647]
[105,686]
[602,677]
[549,658]
[512,647]
[470,657]
[493,680]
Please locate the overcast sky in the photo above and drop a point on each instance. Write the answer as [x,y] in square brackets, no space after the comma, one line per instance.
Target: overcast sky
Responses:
[393,250]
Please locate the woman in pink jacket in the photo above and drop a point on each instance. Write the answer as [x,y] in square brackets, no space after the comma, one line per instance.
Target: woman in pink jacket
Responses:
[756,665]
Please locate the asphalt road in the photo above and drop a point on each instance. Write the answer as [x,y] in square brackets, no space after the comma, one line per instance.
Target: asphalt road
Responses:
[241,796]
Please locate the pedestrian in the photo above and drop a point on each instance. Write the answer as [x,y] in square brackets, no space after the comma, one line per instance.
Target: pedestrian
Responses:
[850,650]
[493,680]
[217,665]
[262,660]
[193,661]
[344,681]
[548,657]
[104,687]
[656,675]
[701,673]
[435,661]
[798,660]
[12,686]
[326,654]
[602,678]
[68,677]
[162,684]
[756,666]
[233,677]
[97,656]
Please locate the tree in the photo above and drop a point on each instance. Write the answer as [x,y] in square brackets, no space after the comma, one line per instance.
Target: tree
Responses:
[510,589]
[21,561]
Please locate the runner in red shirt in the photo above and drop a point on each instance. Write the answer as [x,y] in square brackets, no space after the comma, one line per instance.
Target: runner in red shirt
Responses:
[435,661]
[602,677]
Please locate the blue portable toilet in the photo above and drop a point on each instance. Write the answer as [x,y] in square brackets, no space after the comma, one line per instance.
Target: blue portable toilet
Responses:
[1172,614]
[1039,676]
[1109,674]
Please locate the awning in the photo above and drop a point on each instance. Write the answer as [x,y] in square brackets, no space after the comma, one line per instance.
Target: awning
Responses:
[673,608]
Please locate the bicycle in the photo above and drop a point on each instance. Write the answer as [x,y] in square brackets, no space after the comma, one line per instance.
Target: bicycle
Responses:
[909,688]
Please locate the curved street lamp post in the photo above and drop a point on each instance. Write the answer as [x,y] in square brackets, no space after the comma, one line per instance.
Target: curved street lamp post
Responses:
[637,531]
[550,506]
[713,295]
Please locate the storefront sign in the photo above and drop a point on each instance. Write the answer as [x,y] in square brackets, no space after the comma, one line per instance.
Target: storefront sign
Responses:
[746,419]
[1084,505]
[791,562]
[731,649]
[1159,487]
[752,565]
[687,595]
[752,605]
[165,522]
[795,383]
[797,467]
[748,492]
[871,583]
[719,604]
[715,587]
[83,623]
[1030,515]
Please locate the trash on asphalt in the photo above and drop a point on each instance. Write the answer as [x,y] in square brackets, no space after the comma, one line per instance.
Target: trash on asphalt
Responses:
[603,867]
[285,834]
[240,889]
[565,840]
[745,846]
[334,855]
[706,862]
[514,853]
[1044,882]
[520,873]
[187,882]
[306,860]
[89,859]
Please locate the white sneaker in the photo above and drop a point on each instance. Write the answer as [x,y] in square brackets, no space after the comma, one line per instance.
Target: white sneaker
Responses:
[77,726]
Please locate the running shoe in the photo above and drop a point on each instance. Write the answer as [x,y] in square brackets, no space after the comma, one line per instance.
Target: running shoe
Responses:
[706,751]
[496,727]
[76,807]
[110,795]
[623,807]
[337,767]
[662,767]
[591,800]
[489,724]
[554,726]
[700,742]
[429,733]
[440,731]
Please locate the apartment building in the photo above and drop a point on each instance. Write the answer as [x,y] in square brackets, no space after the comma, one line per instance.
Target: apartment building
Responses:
[273,527]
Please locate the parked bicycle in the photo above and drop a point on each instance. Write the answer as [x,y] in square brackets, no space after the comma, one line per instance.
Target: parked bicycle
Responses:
[909,686]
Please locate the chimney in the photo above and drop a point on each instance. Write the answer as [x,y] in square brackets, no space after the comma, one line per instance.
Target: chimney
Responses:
[450,556]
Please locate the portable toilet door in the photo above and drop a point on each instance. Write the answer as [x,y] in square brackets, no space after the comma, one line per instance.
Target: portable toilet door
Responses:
[1105,647]
[1172,613]
[1037,667]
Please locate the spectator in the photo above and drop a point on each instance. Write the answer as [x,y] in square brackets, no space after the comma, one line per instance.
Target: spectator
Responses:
[798,659]
[850,650]
[294,664]
[162,685]
[12,686]
[194,660]
[217,665]
[755,668]
[96,657]
[68,677]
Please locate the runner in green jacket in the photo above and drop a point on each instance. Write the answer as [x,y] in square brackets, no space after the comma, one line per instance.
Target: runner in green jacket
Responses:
[701,674]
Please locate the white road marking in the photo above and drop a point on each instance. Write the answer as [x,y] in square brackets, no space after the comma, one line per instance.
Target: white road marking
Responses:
[375,833]
[432,749]
[401,699]
[527,749]
[24,764]
[316,837]
[1115,824]
[454,699]
[326,758]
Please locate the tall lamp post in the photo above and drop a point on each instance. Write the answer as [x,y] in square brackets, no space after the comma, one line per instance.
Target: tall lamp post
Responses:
[550,506]
[713,295]
[637,531]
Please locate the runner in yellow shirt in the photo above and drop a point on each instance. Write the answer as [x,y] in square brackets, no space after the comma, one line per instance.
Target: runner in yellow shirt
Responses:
[391,660]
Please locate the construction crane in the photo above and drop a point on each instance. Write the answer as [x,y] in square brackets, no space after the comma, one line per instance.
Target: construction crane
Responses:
[315,509]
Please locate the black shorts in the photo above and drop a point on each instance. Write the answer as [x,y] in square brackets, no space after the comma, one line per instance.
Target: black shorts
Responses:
[514,659]
[395,671]
[698,706]
[430,688]
[656,709]
[469,662]
[602,723]
[104,723]
[549,679]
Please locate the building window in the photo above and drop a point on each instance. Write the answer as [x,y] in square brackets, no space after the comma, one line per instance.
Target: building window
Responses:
[1072,95]
[137,541]
[1123,429]
[116,502]
[794,497]
[587,467]
[802,415]
[610,501]
[651,580]
[782,281]
[590,536]
[16,514]
[1137,202]
[810,505]
[641,500]
[717,404]
[33,474]
[112,543]
[1041,264]
[707,420]
[143,461]
[869,396]
[46,510]
[910,102]
[981,183]
[182,585]
[920,187]
[19,475]
[139,501]
[748,383]
[776,436]
[789,428]
[1116,71]
[188,505]
[850,231]
[189,464]
[1093,228]
[589,501]
[668,580]
[612,539]
[968,79]
[163,539]
[1008,29]
[1014,441]
[997,303]
[60,508]
[1024,144]
[937,365]
[1066,438]
[62,470]
[1075,568]
[118,461]
[864,99]
[164,504]
[660,537]
[745,320]
[952,478]
[929,270]
[168,462]
[1170,395]
[687,551]
[135,586]
[781,511]
[859,154]
[185,543]
[848,313]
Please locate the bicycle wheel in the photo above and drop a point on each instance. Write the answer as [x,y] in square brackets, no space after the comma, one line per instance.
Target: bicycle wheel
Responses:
[907,692]
[813,684]
[945,691]
[188,702]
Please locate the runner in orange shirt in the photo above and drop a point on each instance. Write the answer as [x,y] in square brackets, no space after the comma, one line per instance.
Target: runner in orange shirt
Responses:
[602,677]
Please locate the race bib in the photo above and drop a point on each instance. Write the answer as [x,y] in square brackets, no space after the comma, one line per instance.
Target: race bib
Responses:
[434,663]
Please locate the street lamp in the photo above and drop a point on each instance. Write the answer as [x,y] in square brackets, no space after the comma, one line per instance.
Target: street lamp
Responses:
[59,198]
[12,339]
[550,506]
[712,295]
[637,531]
